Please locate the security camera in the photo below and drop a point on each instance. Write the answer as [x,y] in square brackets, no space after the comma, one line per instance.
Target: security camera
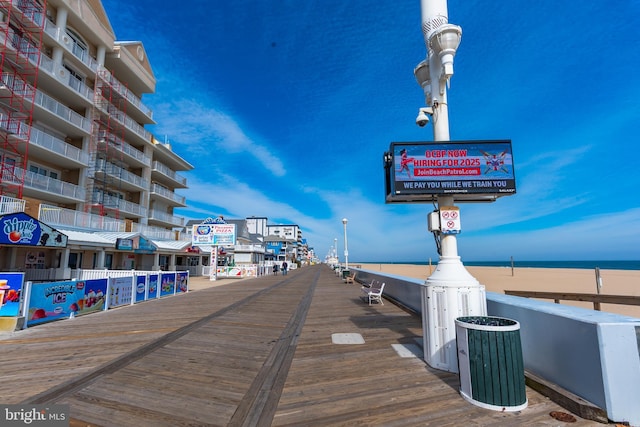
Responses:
[423,117]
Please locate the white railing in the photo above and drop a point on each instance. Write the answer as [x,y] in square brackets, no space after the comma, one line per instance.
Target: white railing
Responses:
[156,233]
[123,174]
[84,274]
[165,170]
[124,91]
[71,46]
[54,215]
[249,248]
[118,143]
[164,192]
[55,145]
[165,217]
[62,111]
[125,206]
[44,183]
[10,205]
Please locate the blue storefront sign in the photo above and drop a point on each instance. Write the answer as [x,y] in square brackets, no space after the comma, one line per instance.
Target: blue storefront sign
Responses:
[22,229]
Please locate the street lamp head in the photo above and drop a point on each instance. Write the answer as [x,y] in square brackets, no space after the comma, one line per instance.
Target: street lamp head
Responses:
[421,72]
[344,221]
[445,41]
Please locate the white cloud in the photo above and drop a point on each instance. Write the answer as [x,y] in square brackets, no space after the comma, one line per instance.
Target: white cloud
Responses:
[209,132]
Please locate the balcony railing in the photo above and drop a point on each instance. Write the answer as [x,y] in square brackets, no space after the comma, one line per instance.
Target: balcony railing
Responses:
[56,216]
[10,205]
[249,248]
[165,217]
[158,189]
[124,206]
[50,104]
[165,170]
[157,233]
[55,145]
[125,92]
[106,107]
[61,37]
[136,128]
[44,183]
[48,65]
[30,10]
[119,144]
[43,139]
[122,174]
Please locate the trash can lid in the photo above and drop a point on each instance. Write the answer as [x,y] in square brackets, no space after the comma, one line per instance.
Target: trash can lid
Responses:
[488,323]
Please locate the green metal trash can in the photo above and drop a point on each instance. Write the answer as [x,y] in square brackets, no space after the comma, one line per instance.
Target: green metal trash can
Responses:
[345,273]
[490,362]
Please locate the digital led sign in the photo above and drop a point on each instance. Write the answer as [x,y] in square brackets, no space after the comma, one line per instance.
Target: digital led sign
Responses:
[470,171]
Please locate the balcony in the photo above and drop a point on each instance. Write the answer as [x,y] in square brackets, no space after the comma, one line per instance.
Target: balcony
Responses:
[62,75]
[126,93]
[44,186]
[30,10]
[156,233]
[168,173]
[128,208]
[55,216]
[159,216]
[63,112]
[58,148]
[43,144]
[126,179]
[167,195]
[119,145]
[249,248]
[81,55]
[131,125]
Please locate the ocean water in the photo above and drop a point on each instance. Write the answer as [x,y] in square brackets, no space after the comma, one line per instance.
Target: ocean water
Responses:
[603,265]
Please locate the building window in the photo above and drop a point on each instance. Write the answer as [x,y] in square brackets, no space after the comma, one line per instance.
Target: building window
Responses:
[43,171]
[79,48]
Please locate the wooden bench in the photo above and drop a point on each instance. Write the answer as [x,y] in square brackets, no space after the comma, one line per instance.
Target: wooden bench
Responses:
[373,292]
[350,278]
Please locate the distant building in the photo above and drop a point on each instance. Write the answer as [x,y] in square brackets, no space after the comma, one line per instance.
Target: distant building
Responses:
[257,241]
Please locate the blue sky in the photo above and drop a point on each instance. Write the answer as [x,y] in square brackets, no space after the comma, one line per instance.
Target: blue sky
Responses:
[286,107]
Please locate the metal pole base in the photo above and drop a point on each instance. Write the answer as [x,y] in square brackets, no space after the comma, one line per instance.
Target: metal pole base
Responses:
[450,292]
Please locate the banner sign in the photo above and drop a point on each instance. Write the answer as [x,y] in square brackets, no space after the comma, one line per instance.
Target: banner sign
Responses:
[153,286]
[58,300]
[182,282]
[467,170]
[167,284]
[120,291]
[213,234]
[141,288]
[22,229]
[10,292]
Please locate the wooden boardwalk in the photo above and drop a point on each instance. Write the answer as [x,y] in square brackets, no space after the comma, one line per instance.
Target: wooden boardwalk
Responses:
[258,352]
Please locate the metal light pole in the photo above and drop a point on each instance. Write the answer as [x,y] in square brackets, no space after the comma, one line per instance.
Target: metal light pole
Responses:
[450,291]
[346,250]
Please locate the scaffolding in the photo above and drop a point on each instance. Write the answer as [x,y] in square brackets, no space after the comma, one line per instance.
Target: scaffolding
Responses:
[21,28]
[104,187]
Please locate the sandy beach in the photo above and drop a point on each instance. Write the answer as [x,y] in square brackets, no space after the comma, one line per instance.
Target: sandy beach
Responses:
[499,279]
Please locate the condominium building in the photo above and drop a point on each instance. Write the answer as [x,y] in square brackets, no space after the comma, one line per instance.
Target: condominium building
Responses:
[75,155]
